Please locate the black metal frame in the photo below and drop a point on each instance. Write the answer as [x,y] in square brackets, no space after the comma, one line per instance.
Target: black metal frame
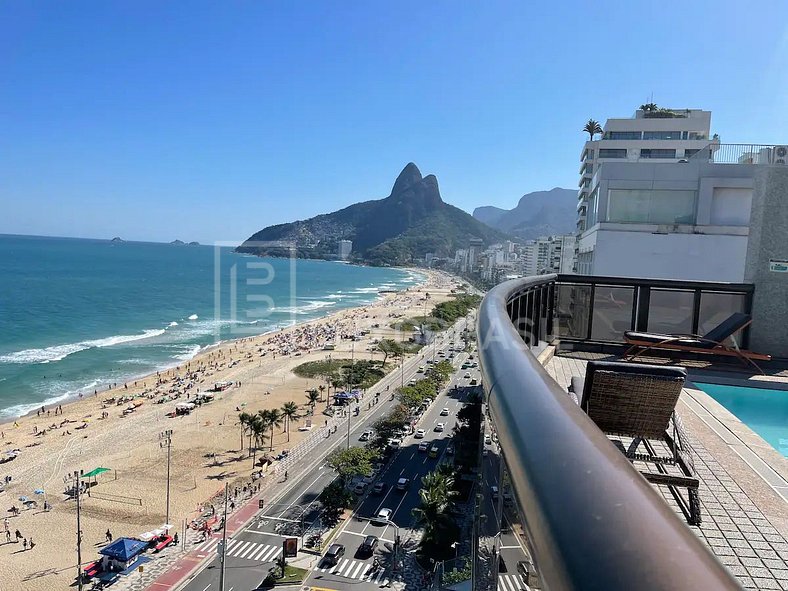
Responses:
[591,521]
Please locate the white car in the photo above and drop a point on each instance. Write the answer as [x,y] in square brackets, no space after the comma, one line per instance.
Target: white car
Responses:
[445,411]
[420,433]
[383,516]
[467,376]
[440,427]
[395,443]
[402,484]
[424,446]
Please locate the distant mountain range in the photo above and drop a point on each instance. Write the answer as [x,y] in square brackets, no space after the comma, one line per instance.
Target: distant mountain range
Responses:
[397,230]
[540,213]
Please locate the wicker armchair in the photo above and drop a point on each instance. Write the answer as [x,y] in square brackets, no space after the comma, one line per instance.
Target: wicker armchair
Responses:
[639,401]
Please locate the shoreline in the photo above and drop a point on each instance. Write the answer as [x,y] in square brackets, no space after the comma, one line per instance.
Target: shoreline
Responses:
[121,430]
[72,397]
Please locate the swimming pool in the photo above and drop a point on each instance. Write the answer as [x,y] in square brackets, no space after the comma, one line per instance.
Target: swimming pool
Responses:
[763,411]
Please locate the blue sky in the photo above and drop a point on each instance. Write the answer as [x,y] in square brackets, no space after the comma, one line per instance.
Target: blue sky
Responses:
[210,120]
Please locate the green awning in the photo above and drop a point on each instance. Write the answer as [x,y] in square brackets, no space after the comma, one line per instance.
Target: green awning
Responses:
[95,472]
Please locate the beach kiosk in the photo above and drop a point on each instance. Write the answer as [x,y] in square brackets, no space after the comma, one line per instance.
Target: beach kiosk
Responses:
[123,556]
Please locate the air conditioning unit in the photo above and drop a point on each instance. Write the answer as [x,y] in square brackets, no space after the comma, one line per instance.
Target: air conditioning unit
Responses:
[780,155]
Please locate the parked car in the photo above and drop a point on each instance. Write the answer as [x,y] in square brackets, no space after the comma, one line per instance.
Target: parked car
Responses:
[420,433]
[402,484]
[334,553]
[367,547]
[365,435]
[440,427]
[383,516]
[424,446]
[487,439]
[360,488]
[467,376]
[474,382]
[445,411]
[395,443]
[379,488]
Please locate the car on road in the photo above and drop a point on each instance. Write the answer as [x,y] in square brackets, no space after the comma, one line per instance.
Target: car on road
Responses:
[395,443]
[494,491]
[440,427]
[367,547]
[360,488]
[450,450]
[379,488]
[402,484]
[445,411]
[334,553]
[487,439]
[424,446]
[420,433]
[474,382]
[421,369]
[427,401]
[434,451]
[365,435]
[467,376]
[383,516]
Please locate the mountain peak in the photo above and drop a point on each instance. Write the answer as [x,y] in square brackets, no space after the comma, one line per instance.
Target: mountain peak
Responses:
[409,176]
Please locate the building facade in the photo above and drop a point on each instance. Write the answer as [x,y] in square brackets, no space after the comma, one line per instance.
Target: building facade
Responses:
[344,248]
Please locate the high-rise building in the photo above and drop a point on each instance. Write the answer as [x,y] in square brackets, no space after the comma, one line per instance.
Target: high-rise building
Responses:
[344,248]
[475,246]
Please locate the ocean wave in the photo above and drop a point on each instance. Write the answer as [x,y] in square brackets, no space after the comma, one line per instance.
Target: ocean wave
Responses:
[190,353]
[173,323]
[58,352]
[18,410]
[310,306]
[193,317]
[366,290]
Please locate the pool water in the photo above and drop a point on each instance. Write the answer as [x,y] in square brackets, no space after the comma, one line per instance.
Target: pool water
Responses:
[763,411]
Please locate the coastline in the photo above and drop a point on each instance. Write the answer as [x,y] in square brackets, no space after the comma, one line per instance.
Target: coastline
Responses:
[207,451]
[68,398]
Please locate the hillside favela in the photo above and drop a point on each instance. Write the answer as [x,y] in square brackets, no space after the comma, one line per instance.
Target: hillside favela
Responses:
[424,296]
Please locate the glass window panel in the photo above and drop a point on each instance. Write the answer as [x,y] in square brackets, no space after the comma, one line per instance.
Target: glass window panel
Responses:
[651,206]
[623,135]
[717,307]
[670,311]
[612,152]
[627,206]
[661,135]
[571,316]
[657,153]
[612,312]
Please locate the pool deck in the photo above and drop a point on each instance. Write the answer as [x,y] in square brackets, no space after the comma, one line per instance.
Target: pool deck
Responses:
[743,480]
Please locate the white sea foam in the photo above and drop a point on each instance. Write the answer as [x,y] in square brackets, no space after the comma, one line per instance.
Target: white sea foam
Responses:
[310,306]
[58,352]
[190,353]
[193,317]
[173,323]
[19,410]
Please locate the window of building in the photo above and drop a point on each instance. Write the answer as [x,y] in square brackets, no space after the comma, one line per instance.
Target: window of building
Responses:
[661,135]
[696,135]
[651,206]
[589,155]
[690,152]
[657,153]
[622,135]
[612,152]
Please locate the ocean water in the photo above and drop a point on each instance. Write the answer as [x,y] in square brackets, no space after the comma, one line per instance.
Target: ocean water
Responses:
[76,314]
[762,410]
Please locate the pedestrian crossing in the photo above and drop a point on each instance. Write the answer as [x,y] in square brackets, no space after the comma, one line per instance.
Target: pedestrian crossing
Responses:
[356,569]
[243,549]
[511,583]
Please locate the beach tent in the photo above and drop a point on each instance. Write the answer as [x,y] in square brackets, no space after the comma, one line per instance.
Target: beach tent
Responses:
[95,472]
[120,553]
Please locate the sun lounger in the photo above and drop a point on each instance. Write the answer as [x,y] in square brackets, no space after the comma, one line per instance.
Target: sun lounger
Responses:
[639,401]
[712,342]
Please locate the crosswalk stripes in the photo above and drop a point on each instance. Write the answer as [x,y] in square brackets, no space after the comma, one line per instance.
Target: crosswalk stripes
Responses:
[355,569]
[243,549]
[511,583]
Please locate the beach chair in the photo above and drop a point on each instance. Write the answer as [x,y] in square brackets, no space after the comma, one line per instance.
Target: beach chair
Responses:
[639,401]
[712,342]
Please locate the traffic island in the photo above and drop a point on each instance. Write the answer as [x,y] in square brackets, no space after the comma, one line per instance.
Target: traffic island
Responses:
[292,575]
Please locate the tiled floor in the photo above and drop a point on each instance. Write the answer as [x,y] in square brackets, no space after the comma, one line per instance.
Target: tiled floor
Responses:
[733,526]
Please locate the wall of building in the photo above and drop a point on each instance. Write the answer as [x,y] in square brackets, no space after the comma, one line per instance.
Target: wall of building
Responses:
[768,243]
[698,257]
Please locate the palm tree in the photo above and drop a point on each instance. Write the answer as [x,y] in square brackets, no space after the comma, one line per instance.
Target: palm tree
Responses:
[649,107]
[322,389]
[435,496]
[271,418]
[290,413]
[592,128]
[244,420]
[257,427]
[313,397]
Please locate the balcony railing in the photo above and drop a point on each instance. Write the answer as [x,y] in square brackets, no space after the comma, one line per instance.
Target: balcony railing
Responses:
[764,154]
[590,520]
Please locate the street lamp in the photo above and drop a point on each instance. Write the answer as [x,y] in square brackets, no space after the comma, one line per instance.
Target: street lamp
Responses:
[165,439]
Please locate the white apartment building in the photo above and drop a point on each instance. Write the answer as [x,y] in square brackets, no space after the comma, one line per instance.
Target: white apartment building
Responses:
[548,254]
[685,215]
[648,136]
[344,248]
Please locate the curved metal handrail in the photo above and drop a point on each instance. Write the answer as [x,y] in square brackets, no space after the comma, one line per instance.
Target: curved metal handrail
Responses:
[591,520]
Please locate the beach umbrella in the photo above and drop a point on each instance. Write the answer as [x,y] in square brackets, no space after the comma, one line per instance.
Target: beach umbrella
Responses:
[39,491]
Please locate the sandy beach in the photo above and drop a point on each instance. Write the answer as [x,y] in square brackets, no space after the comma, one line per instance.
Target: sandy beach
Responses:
[102,431]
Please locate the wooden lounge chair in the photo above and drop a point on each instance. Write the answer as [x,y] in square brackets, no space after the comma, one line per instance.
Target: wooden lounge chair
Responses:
[639,401]
[712,342]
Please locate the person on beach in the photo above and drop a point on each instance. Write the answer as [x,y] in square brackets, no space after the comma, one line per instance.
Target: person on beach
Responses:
[8,536]
[108,536]
[32,543]
[24,544]
[18,535]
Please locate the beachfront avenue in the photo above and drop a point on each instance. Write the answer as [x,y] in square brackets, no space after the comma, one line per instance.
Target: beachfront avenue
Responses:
[258,544]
